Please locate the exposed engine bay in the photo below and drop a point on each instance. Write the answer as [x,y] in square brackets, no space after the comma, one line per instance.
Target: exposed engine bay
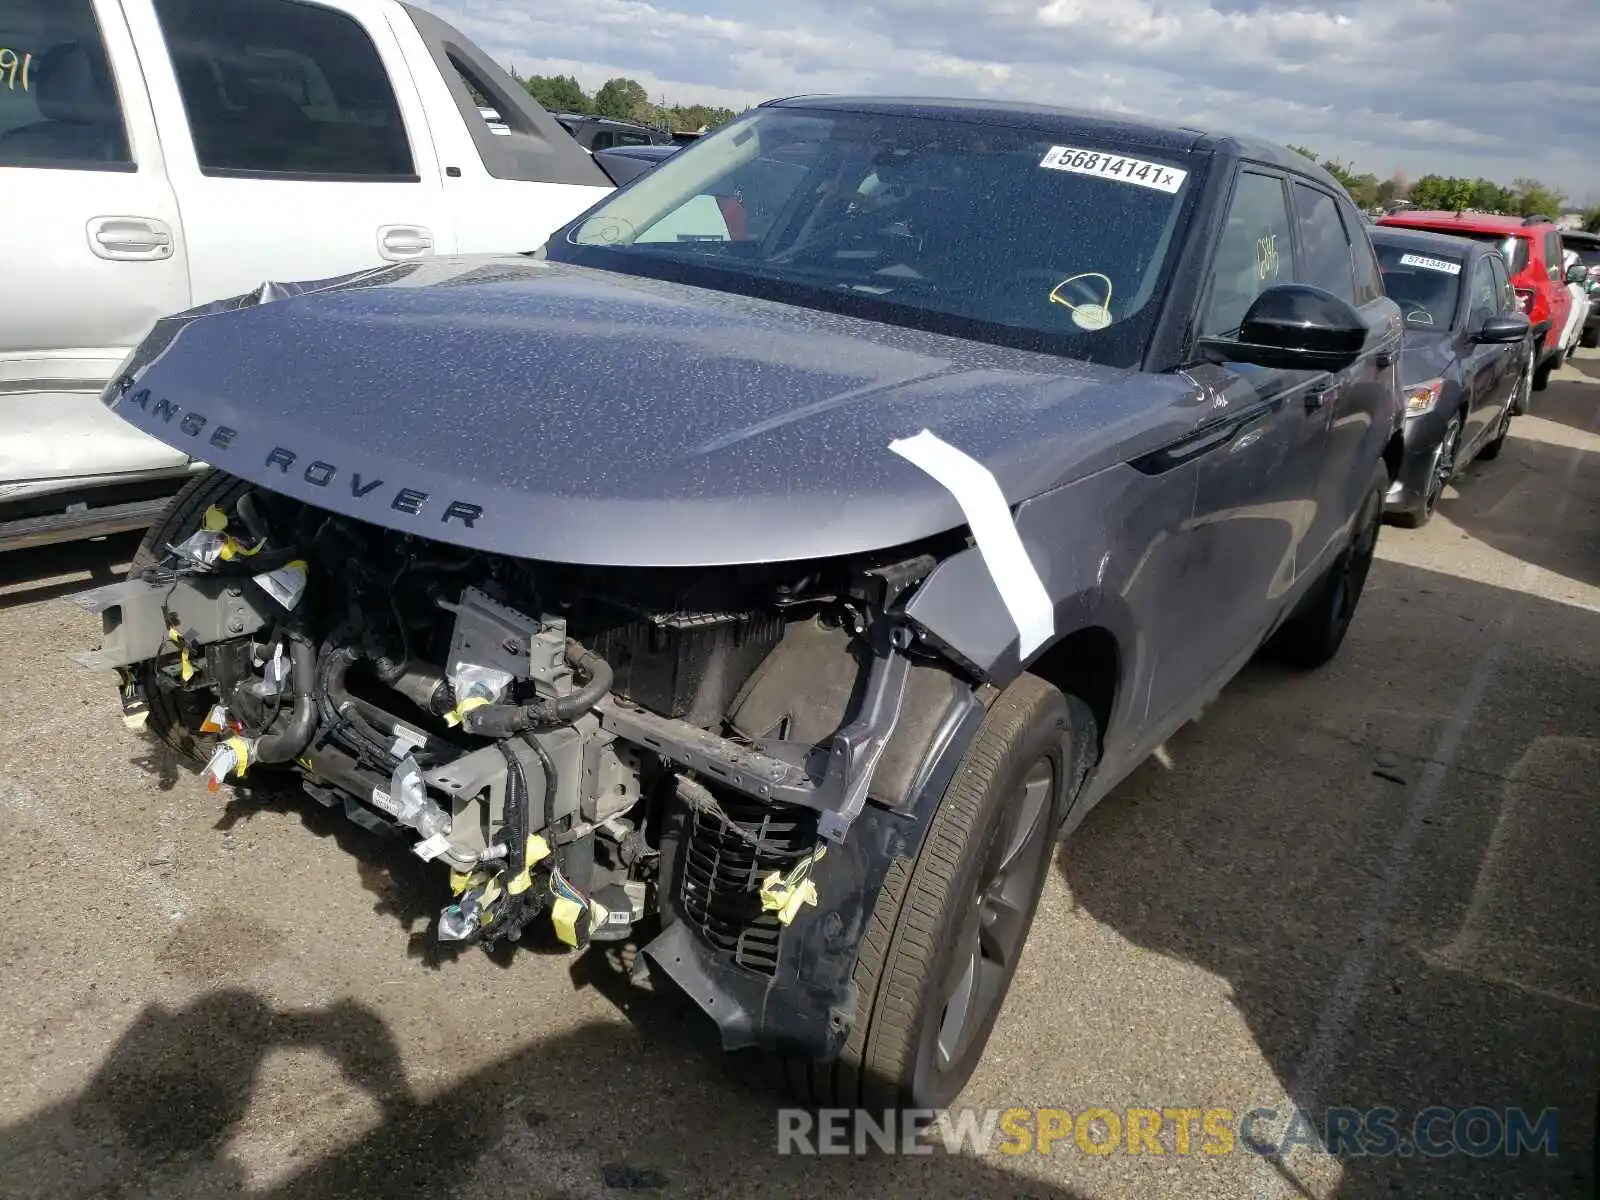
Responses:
[552,735]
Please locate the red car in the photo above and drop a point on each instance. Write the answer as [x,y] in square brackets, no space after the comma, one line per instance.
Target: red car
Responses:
[1531,247]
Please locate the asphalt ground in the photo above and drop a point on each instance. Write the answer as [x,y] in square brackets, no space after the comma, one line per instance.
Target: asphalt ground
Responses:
[1373,887]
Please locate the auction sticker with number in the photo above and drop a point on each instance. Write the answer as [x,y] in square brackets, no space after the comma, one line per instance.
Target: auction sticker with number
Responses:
[1430,264]
[1115,166]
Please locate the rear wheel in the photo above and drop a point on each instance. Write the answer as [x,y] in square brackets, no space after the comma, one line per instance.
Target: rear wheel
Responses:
[1590,338]
[945,935]
[176,716]
[1313,635]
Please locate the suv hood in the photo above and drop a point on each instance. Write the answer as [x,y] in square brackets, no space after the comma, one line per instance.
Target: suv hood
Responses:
[556,412]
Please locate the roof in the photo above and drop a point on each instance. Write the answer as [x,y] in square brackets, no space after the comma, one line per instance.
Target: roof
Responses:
[1486,222]
[1580,237]
[1426,241]
[1067,123]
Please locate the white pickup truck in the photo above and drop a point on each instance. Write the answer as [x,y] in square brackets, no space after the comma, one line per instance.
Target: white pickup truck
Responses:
[161,154]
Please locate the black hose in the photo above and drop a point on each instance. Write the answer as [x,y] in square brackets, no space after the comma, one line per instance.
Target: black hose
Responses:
[296,736]
[253,521]
[508,720]
[340,711]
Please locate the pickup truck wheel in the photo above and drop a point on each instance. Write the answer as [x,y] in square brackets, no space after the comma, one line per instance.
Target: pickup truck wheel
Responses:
[943,940]
[174,717]
[1590,338]
[1313,635]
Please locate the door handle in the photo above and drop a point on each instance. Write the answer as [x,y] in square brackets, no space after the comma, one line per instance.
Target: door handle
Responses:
[130,239]
[1320,397]
[396,242]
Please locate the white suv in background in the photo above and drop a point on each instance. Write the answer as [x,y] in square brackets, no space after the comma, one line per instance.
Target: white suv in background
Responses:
[156,155]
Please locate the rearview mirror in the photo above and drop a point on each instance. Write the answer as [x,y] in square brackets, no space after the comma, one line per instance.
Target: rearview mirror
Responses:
[1503,330]
[1577,273]
[1296,327]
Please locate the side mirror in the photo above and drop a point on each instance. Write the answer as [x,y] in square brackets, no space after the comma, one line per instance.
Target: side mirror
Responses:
[1503,330]
[1577,273]
[1296,327]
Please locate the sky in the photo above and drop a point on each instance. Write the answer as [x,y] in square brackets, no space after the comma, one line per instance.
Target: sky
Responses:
[1499,88]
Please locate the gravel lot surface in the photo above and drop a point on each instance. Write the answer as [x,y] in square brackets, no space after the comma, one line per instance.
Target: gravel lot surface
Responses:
[1376,886]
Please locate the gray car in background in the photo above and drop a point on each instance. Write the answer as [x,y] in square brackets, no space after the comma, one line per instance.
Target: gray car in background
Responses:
[770,569]
[1466,366]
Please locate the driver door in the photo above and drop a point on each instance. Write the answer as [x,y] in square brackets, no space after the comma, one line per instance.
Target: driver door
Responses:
[1256,490]
[1486,369]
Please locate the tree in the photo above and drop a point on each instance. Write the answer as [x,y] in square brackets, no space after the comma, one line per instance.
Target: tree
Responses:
[1591,219]
[1532,197]
[1490,197]
[1393,189]
[624,99]
[1311,154]
[557,93]
[1439,192]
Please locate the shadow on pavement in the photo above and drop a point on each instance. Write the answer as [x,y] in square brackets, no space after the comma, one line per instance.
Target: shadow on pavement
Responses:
[1491,502]
[44,573]
[1460,968]
[573,1116]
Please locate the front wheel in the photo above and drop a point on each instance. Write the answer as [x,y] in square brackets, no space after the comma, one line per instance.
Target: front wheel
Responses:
[943,941]
[1314,634]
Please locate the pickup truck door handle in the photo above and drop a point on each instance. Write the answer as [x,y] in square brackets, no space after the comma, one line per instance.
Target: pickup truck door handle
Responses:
[397,242]
[130,239]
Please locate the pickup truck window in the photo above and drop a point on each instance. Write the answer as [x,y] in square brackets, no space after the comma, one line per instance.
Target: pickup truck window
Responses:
[58,103]
[279,87]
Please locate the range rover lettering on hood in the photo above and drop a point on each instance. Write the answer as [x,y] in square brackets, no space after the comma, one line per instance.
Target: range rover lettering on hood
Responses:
[317,472]
[562,414]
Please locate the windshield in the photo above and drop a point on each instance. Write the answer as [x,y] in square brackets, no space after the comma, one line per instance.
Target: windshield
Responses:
[979,230]
[1425,286]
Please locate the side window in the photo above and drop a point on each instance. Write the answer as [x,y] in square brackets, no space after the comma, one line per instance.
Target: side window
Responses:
[631,139]
[1485,294]
[1255,252]
[1552,255]
[58,101]
[280,87]
[603,139]
[1324,245]
[1502,283]
[1369,276]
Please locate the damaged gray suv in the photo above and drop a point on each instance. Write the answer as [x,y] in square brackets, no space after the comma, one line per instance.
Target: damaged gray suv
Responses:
[767,571]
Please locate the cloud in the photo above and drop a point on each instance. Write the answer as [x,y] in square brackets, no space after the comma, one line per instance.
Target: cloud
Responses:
[1456,86]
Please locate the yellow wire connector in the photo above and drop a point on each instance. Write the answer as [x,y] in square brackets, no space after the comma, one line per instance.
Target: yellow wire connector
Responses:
[787,894]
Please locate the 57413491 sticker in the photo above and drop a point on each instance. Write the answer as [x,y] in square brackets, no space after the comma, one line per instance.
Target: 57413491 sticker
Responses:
[1115,166]
[1443,265]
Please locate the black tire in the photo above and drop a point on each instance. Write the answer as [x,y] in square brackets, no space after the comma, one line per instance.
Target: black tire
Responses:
[1492,451]
[1590,338]
[913,941]
[1541,375]
[1314,634]
[1445,456]
[175,717]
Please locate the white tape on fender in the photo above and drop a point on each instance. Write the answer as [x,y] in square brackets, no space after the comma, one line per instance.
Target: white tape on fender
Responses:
[989,516]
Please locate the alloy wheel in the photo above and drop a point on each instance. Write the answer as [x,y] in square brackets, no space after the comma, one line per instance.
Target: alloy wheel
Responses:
[996,925]
[1444,463]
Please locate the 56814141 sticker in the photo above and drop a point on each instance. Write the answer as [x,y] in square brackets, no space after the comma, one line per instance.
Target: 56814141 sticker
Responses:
[1443,265]
[1115,166]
